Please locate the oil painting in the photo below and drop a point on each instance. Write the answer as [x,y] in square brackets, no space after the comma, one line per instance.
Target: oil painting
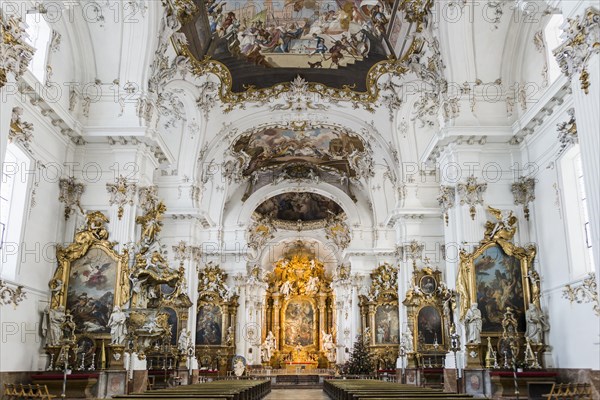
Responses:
[91,291]
[499,285]
[292,35]
[428,284]
[301,206]
[387,329]
[324,146]
[208,325]
[429,323]
[299,323]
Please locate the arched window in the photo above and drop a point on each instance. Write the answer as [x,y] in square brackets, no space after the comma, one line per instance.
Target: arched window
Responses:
[13,197]
[552,35]
[39,33]
[576,213]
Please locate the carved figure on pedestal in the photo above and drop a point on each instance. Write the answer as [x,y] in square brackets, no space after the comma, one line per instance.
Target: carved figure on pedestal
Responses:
[473,324]
[56,317]
[268,347]
[329,346]
[184,341]
[536,324]
[116,322]
[407,341]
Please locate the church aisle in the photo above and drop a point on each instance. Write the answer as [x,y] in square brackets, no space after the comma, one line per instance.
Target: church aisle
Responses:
[297,394]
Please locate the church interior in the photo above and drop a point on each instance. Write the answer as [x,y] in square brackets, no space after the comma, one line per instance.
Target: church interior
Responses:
[291,199]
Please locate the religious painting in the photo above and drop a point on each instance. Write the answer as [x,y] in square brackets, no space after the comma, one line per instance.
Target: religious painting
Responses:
[325,146]
[91,291]
[428,284]
[387,329]
[429,325]
[399,38]
[299,206]
[208,325]
[85,349]
[322,38]
[299,323]
[499,285]
[173,322]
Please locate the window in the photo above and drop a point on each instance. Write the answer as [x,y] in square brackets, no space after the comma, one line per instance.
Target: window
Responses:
[576,214]
[39,33]
[13,197]
[552,35]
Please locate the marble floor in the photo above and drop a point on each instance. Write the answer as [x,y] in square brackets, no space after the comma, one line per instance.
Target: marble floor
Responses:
[297,394]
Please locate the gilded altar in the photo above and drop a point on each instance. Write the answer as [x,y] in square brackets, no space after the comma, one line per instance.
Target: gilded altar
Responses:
[299,314]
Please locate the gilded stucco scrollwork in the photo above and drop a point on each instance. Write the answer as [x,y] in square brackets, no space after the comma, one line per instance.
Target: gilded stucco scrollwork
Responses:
[567,132]
[471,193]
[70,195]
[15,53]
[446,200]
[585,292]
[121,192]
[524,193]
[581,41]
[10,295]
[20,131]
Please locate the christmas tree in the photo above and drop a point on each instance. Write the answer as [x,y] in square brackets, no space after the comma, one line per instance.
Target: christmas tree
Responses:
[361,359]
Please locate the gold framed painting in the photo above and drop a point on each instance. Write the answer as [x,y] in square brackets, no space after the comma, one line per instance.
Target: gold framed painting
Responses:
[299,322]
[496,275]
[91,278]
[429,327]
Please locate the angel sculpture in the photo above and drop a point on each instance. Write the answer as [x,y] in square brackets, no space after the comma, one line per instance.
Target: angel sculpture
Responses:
[505,221]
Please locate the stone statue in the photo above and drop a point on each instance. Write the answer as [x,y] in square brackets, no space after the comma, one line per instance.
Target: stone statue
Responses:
[329,346]
[56,317]
[268,347]
[68,328]
[407,341]
[286,288]
[536,324]
[473,324]
[229,337]
[239,367]
[116,322]
[184,338]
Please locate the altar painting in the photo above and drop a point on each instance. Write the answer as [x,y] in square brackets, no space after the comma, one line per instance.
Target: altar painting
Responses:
[91,291]
[499,285]
[299,323]
[387,329]
[429,322]
[208,325]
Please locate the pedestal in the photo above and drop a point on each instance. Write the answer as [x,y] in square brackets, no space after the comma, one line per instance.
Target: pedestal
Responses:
[474,356]
[116,356]
[411,360]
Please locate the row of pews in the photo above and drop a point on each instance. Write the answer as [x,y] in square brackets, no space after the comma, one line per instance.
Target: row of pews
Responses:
[225,389]
[339,389]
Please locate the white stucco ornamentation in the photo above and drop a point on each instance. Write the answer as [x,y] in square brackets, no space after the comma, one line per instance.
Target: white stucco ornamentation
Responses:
[15,54]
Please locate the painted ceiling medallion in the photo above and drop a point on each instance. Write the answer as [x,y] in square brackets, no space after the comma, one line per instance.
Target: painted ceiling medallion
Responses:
[302,206]
[258,47]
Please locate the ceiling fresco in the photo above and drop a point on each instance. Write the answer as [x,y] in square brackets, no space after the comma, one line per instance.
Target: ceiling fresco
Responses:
[265,42]
[299,206]
[274,147]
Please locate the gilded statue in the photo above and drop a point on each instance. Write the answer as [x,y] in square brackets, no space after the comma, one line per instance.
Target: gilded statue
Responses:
[151,222]
[504,227]
[92,232]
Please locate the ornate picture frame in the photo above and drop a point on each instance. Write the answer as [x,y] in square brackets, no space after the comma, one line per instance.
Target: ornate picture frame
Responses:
[91,278]
[498,274]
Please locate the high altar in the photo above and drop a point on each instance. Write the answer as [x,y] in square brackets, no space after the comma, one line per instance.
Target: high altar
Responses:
[299,315]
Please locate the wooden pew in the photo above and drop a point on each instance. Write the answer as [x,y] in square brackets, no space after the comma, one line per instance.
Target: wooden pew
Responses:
[371,389]
[226,389]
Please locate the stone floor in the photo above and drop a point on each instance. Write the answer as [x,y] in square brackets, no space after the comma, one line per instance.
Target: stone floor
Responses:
[297,394]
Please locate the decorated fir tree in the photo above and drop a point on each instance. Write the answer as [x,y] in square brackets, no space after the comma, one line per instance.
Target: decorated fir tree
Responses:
[361,359]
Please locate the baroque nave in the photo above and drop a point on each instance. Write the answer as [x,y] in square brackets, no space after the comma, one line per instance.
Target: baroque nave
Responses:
[359,199]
